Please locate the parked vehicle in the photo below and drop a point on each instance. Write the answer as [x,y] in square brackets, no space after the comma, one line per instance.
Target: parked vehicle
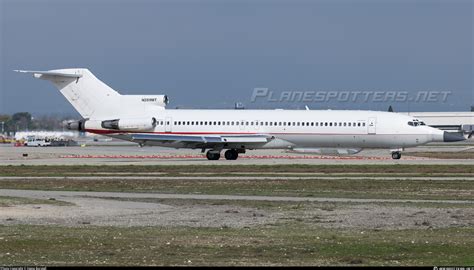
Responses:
[32,141]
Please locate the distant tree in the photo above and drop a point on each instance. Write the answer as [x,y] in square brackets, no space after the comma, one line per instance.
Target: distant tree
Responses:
[19,121]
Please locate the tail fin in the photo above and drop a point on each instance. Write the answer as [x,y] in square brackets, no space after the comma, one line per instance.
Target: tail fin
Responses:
[90,97]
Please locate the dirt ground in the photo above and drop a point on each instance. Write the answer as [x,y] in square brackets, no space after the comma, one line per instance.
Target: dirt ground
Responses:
[125,212]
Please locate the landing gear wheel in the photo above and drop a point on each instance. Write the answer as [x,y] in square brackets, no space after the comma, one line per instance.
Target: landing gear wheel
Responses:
[213,155]
[396,155]
[231,154]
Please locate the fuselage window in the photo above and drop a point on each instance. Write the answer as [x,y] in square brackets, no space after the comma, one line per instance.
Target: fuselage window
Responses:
[358,124]
[330,124]
[363,124]
[316,124]
[325,124]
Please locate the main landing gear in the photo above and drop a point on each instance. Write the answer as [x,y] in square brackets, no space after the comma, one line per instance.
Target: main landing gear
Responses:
[231,154]
[396,155]
[213,155]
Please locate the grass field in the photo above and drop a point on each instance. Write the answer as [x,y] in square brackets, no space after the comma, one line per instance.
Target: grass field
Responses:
[293,239]
[350,188]
[24,170]
[269,245]
[6,201]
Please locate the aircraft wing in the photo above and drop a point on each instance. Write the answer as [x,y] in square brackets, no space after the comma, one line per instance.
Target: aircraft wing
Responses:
[202,140]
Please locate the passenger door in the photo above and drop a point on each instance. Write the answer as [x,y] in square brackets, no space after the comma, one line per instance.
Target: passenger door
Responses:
[372,125]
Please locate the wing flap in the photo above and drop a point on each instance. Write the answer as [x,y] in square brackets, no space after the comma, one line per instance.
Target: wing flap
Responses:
[217,139]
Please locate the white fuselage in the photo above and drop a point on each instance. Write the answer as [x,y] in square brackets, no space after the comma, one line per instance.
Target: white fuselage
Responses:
[290,128]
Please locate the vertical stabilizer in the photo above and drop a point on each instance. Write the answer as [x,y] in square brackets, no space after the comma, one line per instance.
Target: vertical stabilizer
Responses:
[90,97]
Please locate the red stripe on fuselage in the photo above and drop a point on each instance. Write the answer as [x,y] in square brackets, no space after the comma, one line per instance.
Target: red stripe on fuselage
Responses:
[106,132]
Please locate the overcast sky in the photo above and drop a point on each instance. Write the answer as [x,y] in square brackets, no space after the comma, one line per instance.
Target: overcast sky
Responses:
[210,54]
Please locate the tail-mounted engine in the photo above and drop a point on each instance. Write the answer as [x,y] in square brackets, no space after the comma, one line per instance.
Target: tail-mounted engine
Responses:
[79,125]
[138,124]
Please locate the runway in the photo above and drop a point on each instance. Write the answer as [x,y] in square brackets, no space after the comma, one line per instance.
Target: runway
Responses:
[133,155]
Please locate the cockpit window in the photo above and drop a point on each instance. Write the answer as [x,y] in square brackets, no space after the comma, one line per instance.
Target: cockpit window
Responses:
[416,123]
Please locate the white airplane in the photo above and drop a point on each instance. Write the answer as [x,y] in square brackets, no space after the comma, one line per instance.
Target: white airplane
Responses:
[143,119]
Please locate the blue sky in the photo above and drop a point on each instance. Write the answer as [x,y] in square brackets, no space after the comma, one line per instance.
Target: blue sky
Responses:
[210,54]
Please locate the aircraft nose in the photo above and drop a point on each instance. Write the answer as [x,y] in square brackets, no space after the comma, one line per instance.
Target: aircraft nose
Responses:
[452,137]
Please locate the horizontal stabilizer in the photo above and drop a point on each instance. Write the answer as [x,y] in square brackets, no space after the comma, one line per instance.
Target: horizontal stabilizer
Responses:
[39,74]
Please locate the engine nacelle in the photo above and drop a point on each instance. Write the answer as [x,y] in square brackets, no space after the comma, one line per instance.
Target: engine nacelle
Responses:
[76,125]
[137,124]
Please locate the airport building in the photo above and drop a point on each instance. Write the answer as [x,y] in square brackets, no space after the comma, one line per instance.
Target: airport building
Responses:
[450,121]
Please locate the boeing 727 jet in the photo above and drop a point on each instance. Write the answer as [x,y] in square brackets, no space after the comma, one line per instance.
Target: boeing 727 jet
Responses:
[143,119]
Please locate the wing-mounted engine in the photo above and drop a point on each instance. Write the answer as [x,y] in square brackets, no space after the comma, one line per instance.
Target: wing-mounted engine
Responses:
[136,124]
